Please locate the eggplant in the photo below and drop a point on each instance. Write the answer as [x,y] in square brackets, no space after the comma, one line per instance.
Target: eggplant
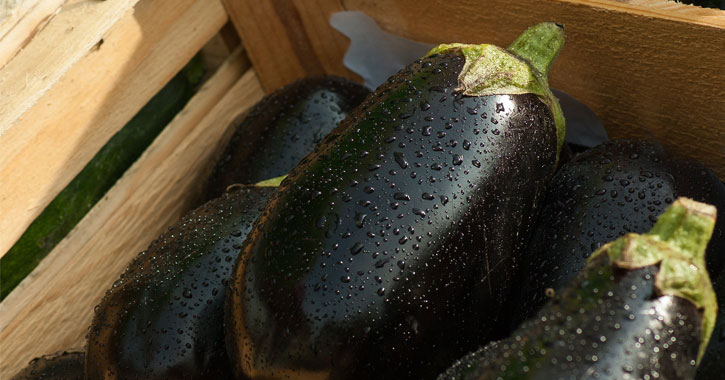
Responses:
[712,365]
[643,307]
[283,128]
[389,251]
[163,317]
[60,366]
[617,187]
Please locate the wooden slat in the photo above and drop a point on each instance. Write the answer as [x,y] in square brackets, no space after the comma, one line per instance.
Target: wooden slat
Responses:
[665,9]
[70,35]
[53,140]
[53,308]
[290,39]
[648,68]
[20,21]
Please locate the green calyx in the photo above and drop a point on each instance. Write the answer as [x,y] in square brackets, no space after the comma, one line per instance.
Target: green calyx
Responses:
[521,69]
[677,243]
[272,182]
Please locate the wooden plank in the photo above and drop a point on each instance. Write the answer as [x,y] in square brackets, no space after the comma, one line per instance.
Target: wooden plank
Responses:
[53,308]
[649,69]
[665,9]
[20,20]
[290,39]
[70,35]
[53,140]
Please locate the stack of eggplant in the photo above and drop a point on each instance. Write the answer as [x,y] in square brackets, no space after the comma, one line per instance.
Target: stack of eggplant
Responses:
[433,232]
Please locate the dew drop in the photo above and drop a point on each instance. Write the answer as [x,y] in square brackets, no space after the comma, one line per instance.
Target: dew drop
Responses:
[400,159]
[401,196]
[356,248]
[360,219]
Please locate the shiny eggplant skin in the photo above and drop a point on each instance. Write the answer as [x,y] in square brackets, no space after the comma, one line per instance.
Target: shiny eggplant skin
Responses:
[617,187]
[283,128]
[62,366]
[712,365]
[608,324]
[163,319]
[391,250]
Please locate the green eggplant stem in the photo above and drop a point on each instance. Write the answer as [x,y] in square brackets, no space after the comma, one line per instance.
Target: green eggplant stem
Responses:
[520,69]
[540,45]
[687,225]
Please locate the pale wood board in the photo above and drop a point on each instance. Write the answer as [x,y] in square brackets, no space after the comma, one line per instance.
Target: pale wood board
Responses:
[649,69]
[22,23]
[290,39]
[665,9]
[54,140]
[53,307]
[67,38]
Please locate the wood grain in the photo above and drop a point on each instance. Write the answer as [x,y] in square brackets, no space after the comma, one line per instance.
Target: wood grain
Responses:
[70,35]
[664,9]
[289,39]
[648,68]
[20,22]
[53,140]
[52,309]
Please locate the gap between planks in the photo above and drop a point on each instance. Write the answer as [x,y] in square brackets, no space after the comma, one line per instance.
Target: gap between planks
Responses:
[54,140]
[52,309]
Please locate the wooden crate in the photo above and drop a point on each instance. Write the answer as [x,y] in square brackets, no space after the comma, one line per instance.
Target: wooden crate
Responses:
[73,72]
